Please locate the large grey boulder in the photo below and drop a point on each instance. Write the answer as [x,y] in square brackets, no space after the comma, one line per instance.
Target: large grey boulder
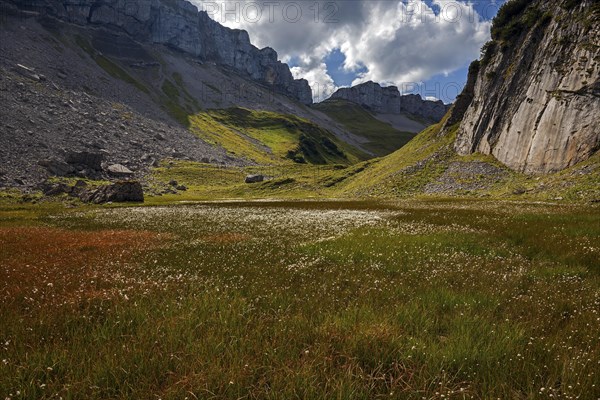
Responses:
[57,167]
[119,170]
[118,192]
[85,159]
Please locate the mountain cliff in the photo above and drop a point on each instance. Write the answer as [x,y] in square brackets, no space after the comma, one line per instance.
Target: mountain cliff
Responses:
[532,101]
[387,100]
[179,25]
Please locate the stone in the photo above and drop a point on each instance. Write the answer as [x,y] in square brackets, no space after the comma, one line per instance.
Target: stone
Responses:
[54,189]
[181,188]
[173,183]
[27,72]
[119,170]
[92,161]
[255,178]
[57,167]
[119,192]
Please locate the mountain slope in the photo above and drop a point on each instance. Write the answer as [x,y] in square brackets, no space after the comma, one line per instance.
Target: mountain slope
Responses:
[530,105]
[270,138]
[93,88]
[178,25]
[378,138]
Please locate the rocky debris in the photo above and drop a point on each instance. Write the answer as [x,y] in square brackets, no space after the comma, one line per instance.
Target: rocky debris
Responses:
[142,64]
[28,72]
[255,178]
[466,176]
[58,188]
[83,163]
[119,192]
[49,132]
[536,95]
[55,189]
[119,170]
[179,25]
[387,100]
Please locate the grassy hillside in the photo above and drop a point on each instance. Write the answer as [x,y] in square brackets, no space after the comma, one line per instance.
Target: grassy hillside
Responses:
[268,137]
[381,138]
[408,169]
[429,166]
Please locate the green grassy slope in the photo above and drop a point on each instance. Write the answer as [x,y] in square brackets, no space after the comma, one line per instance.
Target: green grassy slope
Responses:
[406,170]
[427,161]
[382,139]
[271,138]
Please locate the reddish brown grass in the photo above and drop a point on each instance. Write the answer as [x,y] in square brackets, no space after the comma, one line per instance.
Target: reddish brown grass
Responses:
[53,264]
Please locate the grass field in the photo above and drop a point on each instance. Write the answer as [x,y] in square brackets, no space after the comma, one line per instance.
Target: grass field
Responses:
[316,300]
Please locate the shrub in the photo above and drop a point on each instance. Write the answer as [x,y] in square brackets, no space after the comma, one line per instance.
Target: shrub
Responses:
[505,25]
[487,51]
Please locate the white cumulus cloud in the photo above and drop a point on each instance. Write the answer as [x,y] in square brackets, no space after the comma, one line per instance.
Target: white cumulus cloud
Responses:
[390,41]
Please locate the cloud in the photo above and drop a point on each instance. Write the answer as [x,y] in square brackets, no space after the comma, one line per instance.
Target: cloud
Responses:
[320,81]
[389,41]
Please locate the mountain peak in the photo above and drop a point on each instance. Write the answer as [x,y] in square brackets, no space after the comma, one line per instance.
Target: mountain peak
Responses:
[388,100]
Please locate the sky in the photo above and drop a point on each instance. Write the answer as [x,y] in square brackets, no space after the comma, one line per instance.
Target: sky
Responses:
[420,46]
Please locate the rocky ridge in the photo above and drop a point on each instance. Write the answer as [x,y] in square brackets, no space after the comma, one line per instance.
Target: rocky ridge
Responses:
[388,100]
[179,25]
[532,101]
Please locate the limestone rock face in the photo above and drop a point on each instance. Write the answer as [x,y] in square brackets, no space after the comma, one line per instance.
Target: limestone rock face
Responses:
[179,24]
[387,100]
[534,99]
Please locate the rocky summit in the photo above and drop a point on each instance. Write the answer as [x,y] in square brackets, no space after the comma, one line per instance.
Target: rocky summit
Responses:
[179,25]
[388,100]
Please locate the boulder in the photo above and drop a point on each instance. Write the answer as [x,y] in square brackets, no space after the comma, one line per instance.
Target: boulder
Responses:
[57,167]
[119,170]
[85,159]
[54,189]
[255,178]
[27,72]
[119,192]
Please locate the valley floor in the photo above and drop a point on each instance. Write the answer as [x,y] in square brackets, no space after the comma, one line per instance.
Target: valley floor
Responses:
[314,299]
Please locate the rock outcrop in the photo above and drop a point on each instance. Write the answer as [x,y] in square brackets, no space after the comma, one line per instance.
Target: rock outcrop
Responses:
[388,100]
[179,25]
[533,100]
[119,192]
